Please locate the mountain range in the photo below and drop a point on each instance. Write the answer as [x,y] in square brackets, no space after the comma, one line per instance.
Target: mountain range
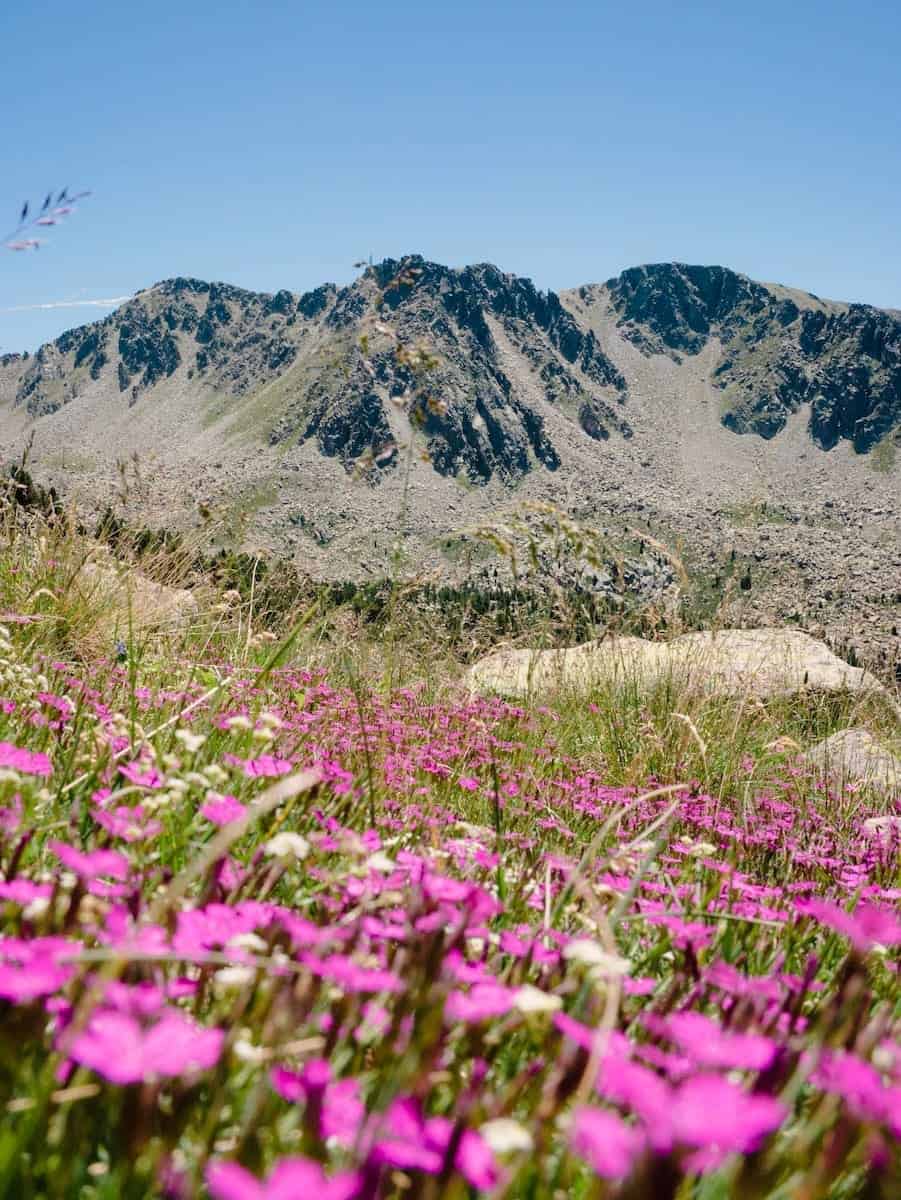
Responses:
[421,400]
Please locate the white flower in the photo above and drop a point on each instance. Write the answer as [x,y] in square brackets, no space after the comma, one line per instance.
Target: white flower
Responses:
[232,978]
[380,862]
[592,954]
[191,741]
[704,849]
[530,999]
[246,1051]
[287,845]
[506,1136]
[36,908]
[239,722]
[248,941]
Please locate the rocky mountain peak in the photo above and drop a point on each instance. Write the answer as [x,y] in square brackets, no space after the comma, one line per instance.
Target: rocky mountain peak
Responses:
[508,356]
[781,350]
[676,306]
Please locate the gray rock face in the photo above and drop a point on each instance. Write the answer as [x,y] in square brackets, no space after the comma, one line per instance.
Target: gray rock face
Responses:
[474,419]
[734,662]
[780,350]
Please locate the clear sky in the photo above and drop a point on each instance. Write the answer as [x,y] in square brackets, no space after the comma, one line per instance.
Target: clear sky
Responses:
[270,144]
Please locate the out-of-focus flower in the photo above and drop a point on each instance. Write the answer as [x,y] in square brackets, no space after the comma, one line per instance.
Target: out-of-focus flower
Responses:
[865,928]
[92,864]
[290,1179]
[528,999]
[26,762]
[118,1048]
[605,1141]
[222,810]
[506,1136]
[289,846]
[589,953]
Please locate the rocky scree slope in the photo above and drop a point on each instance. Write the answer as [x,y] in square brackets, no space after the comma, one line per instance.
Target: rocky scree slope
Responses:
[673,398]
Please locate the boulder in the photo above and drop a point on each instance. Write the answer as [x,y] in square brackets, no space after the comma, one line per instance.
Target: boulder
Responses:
[134,601]
[854,756]
[757,662]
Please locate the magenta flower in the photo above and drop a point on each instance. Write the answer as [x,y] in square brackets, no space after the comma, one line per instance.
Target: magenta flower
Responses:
[11,817]
[148,777]
[223,811]
[32,968]
[117,1047]
[93,864]
[23,891]
[342,1110]
[605,1141]
[350,976]
[290,1179]
[27,762]
[642,1091]
[480,1002]
[859,1084]
[711,1046]
[410,1142]
[720,1117]
[130,824]
[865,927]
[265,766]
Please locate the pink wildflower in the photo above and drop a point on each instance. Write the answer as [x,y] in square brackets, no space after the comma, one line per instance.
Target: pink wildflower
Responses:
[342,1109]
[480,1002]
[30,969]
[23,891]
[350,976]
[223,811]
[116,1047]
[27,762]
[715,1115]
[863,928]
[711,1046]
[148,778]
[263,767]
[93,864]
[605,1141]
[130,824]
[290,1178]
[412,1142]
[858,1083]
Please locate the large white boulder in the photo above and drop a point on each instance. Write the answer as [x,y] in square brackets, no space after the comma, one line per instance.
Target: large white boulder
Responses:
[756,662]
[854,756]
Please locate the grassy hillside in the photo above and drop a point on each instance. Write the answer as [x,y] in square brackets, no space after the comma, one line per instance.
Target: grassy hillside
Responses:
[293,915]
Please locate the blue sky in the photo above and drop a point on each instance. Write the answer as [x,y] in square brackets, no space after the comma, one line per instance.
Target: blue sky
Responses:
[271,144]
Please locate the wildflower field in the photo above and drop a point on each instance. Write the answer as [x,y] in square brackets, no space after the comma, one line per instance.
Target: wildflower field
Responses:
[273,928]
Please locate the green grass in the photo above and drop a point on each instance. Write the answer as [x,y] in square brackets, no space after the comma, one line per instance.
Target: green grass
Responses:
[496,798]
